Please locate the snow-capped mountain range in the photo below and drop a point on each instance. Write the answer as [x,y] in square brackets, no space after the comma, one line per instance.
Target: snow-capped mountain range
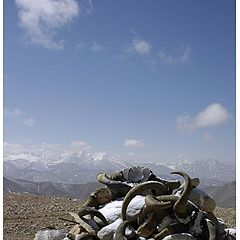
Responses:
[82,167]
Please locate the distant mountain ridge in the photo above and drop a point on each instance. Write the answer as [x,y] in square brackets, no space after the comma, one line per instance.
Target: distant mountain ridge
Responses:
[79,191]
[225,196]
[82,167]
[208,169]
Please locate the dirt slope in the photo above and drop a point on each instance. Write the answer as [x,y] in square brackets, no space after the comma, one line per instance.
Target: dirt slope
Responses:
[25,214]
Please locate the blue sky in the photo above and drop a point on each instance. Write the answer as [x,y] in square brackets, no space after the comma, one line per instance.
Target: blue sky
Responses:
[145,80]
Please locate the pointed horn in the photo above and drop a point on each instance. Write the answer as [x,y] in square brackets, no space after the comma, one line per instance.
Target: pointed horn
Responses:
[118,188]
[120,231]
[167,198]
[85,210]
[180,207]
[155,204]
[211,230]
[83,224]
[144,212]
[169,230]
[172,185]
[138,189]
[102,178]
[147,228]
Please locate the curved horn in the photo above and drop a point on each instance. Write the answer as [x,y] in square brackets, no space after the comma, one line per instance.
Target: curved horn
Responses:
[211,230]
[172,185]
[85,210]
[169,230]
[147,228]
[180,207]
[173,198]
[155,204]
[139,189]
[144,212]
[84,224]
[120,231]
[168,198]
[117,187]
[102,178]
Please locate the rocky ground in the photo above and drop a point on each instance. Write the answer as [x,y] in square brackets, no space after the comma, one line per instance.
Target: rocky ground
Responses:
[24,215]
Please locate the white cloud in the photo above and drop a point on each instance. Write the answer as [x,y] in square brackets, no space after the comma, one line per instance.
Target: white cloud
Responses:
[74,146]
[79,145]
[183,57]
[133,143]
[20,116]
[87,6]
[29,122]
[96,47]
[141,47]
[213,115]
[41,19]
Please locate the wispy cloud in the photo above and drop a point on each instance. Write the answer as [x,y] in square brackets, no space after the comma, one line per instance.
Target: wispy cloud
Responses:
[41,19]
[183,57]
[96,47]
[74,146]
[20,115]
[87,6]
[133,143]
[213,115]
[140,47]
[29,122]
[79,145]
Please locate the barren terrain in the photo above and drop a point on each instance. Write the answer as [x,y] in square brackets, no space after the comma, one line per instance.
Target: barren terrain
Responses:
[25,214]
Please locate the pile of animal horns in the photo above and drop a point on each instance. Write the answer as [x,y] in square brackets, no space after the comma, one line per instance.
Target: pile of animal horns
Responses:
[171,211]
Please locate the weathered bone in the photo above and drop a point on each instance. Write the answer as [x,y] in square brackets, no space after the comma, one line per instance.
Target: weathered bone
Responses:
[120,232]
[173,198]
[84,224]
[172,185]
[203,200]
[118,188]
[155,204]
[174,217]
[138,189]
[147,228]
[171,229]
[99,197]
[144,212]
[85,210]
[180,207]
[180,236]
[211,229]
